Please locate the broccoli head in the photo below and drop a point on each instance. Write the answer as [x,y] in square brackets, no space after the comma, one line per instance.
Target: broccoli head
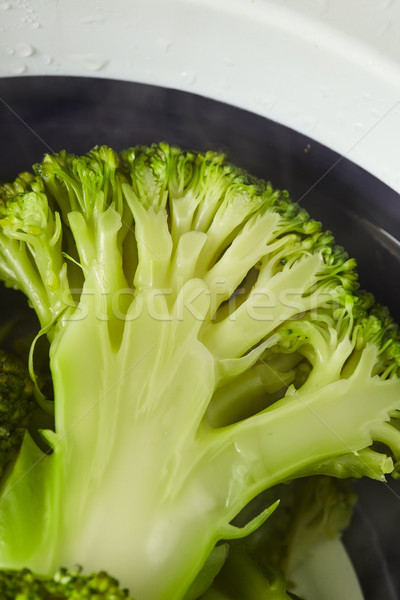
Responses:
[208,341]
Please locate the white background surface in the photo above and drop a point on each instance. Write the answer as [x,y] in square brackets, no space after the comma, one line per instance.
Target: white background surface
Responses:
[329,69]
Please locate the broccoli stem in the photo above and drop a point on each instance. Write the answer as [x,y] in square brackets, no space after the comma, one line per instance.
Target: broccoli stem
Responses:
[264,309]
[19,272]
[189,473]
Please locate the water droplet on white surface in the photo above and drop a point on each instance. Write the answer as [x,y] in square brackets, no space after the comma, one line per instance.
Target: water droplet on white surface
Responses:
[293,110]
[91,62]
[35,25]
[19,69]
[324,91]
[47,59]
[90,20]
[267,103]
[227,60]
[5,6]
[385,4]
[24,50]
[384,28]
[311,6]
[10,50]
[188,77]
[309,123]
[165,44]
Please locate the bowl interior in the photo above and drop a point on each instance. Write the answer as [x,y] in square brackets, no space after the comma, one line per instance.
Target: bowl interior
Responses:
[46,114]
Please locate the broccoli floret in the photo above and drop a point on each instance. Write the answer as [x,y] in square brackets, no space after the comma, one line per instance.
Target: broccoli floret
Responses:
[311,510]
[65,585]
[208,341]
[17,404]
[243,577]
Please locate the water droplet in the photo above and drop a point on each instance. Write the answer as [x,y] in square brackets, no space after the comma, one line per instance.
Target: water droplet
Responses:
[9,50]
[316,6]
[24,50]
[267,103]
[309,123]
[384,28]
[35,25]
[293,110]
[385,4]
[5,6]
[165,44]
[47,59]
[227,60]
[92,19]
[91,62]
[188,77]
[18,69]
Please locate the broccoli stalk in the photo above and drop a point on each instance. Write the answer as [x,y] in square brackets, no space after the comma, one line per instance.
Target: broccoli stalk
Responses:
[207,342]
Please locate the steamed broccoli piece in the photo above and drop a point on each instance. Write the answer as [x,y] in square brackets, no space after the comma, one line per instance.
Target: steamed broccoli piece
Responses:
[65,585]
[259,566]
[243,577]
[17,404]
[208,341]
[320,508]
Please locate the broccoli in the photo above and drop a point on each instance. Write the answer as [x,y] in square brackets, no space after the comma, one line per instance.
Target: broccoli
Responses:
[260,566]
[65,585]
[208,341]
[17,405]
[242,577]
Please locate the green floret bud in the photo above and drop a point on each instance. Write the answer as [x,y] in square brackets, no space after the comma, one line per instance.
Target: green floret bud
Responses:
[17,404]
[82,183]
[65,585]
[25,182]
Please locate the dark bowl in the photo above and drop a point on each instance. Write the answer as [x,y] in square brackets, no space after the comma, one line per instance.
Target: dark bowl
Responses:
[39,114]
